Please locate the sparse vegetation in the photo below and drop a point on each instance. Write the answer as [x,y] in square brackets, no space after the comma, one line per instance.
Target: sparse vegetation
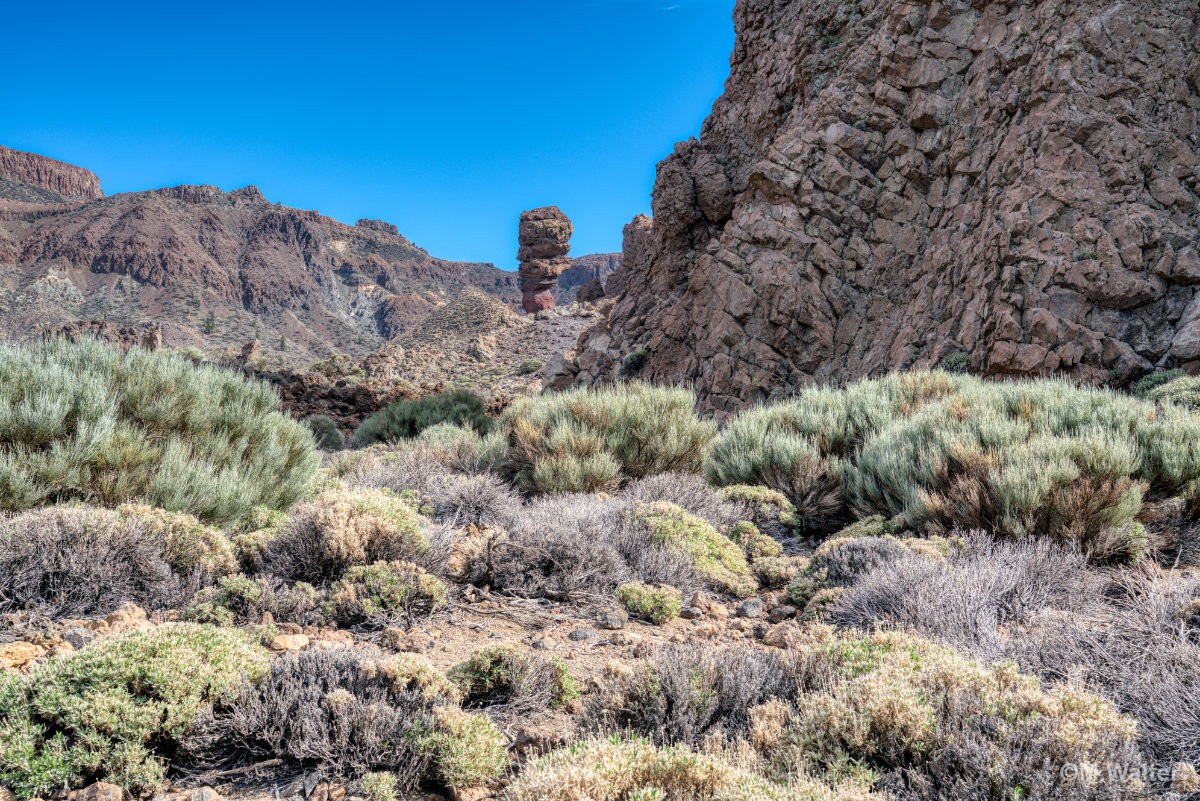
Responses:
[325,432]
[408,418]
[384,593]
[659,605]
[84,421]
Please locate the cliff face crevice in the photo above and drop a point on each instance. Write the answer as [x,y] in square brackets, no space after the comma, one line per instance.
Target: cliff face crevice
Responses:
[894,183]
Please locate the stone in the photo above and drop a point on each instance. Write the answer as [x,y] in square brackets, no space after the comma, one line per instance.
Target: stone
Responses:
[16,655]
[78,636]
[691,612]
[100,791]
[7,794]
[781,613]
[580,635]
[128,617]
[290,642]
[543,644]
[590,292]
[911,207]
[205,794]
[327,792]
[612,619]
[544,236]
[751,607]
[782,635]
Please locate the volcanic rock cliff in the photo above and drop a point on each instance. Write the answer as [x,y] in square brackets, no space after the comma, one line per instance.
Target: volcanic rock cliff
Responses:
[56,177]
[1008,185]
[215,269]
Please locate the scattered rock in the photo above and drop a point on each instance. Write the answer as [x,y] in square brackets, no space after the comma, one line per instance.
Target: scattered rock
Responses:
[690,613]
[751,607]
[543,644]
[78,636]
[782,635]
[290,642]
[579,635]
[16,655]
[100,791]
[205,794]
[781,613]
[613,619]
[130,617]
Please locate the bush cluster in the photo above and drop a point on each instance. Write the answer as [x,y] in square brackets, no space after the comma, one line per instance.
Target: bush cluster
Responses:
[659,605]
[97,714]
[84,421]
[716,558]
[591,440]
[503,680]
[945,451]
[406,419]
[383,594]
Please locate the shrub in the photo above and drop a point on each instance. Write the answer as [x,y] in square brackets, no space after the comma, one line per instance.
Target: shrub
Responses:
[529,366]
[343,529]
[589,440]
[84,421]
[503,680]
[691,493]
[409,671]
[776,572]
[408,418]
[379,786]
[688,693]
[481,500]
[384,594]
[768,509]
[838,563]
[659,605]
[465,750]
[754,543]
[240,600]
[615,770]
[901,706]
[716,558]
[325,432]
[1183,390]
[337,711]
[108,712]
[579,547]
[189,545]
[945,451]
[1151,381]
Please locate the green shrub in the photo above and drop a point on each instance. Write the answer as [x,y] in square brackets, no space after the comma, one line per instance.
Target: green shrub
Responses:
[407,418]
[500,676]
[635,770]
[241,600]
[939,451]
[325,432]
[343,528]
[189,545]
[464,750]
[1151,381]
[659,605]
[1183,390]
[86,421]
[108,712]
[384,593]
[379,786]
[766,507]
[716,558]
[755,544]
[529,367]
[588,440]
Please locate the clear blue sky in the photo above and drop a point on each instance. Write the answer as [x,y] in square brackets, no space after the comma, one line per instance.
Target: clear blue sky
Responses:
[446,118]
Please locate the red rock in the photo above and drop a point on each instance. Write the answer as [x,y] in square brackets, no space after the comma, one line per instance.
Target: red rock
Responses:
[545,237]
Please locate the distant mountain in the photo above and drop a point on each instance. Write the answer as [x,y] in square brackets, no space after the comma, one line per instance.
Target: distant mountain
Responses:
[597,266]
[214,269]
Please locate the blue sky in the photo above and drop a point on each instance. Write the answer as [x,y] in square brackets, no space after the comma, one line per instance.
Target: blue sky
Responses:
[446,118]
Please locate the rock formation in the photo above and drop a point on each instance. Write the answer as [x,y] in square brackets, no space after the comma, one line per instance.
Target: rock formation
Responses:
[214,268]
[545,240]
[596,267]
[65,180]
[897,183]
[148,336]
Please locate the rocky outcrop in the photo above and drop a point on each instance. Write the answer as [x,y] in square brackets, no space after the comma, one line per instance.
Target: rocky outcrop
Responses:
[897,183]
[545,241]
[147,336]
[64,180]
[595,267]
[217,268]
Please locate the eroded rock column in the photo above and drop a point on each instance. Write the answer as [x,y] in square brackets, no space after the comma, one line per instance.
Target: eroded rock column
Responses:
[545,239]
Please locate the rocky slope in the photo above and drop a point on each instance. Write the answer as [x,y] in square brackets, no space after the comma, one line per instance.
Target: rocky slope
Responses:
[1009,186]
[213,268]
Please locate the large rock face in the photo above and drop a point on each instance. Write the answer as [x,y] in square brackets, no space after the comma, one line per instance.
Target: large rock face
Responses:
[65,180]
[545,241]
[896,183]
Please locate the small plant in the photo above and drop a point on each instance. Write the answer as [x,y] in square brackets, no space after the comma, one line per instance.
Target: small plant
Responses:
[325,432]
[240,600]
[1183,391]
[1151,381]
[755,544]
[529,367]
[717,559]
[383,594]
[112,711]
[379,786]
[956,362]
[210,324]
[408,418]
[659,605]
[500,678]
[632,364]
[464,749]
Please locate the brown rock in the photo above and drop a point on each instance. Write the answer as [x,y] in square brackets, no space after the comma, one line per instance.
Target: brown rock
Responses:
[100,791]
[916,203]
[545,237]
[16,655]
[7,794]
[128,617]
[782,635]
[67,180]
[290,642]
